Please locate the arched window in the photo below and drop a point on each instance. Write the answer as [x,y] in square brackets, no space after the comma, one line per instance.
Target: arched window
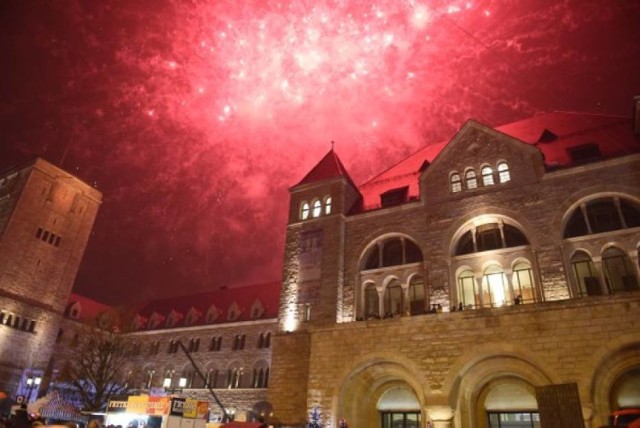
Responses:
[487,176]
[396,251]
[416,296]
[602,215]
[618,271]
[455,182]
[317,208]
[523,283]
[304,211]
[490,236]
[393,301]
[494,287]
[327,205]
[585,274]
[467,290]
[471,179]
[503,172]
[371,303]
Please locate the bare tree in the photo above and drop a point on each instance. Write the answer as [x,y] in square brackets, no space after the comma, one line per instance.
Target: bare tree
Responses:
[96,368]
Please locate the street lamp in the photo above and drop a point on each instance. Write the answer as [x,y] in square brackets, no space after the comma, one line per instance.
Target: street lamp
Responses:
[32,383]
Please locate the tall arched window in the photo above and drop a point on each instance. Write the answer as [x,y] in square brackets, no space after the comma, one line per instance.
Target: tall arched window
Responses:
[416,296]
[317,208]
[503,172]
[327,205]
[455,182]
[392,251]
[487,176]
[393,301]
[467,290]
[304,211]
[618,271]
[471,179]
[371,302]
[585,274]
[602,215]
[494,287]
[523,283]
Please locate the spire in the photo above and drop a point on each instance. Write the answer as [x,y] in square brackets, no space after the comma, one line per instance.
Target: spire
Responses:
[329,167]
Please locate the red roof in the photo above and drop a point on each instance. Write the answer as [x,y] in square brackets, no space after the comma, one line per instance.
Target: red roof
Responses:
[89,309]
[329,167]
[551,133]
[268,294]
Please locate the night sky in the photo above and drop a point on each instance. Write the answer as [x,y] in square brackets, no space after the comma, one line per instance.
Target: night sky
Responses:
[195,117]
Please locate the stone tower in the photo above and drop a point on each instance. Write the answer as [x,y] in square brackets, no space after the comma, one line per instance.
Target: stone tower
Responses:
[312,279]
[46,217]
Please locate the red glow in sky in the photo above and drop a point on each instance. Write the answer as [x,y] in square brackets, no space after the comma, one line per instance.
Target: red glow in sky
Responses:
[193,118]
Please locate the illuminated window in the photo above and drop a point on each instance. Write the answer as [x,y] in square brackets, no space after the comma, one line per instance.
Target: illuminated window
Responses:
[327,205]
[503,172]
[494,287]
[317,208]
[471,179]
[468,293]
[487,176]
[523,283]
[304,211]
[393,299]
[456,183]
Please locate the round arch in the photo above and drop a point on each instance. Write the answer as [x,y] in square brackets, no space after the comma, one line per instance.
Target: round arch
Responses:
[368,380]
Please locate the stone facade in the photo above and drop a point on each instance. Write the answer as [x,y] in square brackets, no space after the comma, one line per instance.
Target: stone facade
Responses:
[46,216]
[465,299]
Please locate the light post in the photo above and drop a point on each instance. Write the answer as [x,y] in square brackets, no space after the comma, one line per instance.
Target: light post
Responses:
[33,382]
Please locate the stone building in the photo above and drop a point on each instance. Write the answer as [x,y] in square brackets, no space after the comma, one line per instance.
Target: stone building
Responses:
[46,217]
[456,288]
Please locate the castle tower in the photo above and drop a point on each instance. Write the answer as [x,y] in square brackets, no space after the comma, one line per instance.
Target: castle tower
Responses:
[312,279]
[46,217]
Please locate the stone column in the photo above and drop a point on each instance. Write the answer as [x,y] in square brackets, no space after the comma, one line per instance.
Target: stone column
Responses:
[587,415]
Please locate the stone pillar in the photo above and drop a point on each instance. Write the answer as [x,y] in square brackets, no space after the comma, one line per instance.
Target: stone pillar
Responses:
[440,416]
[587,415]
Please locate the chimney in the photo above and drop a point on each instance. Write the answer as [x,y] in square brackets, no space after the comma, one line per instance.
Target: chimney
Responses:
[636,115]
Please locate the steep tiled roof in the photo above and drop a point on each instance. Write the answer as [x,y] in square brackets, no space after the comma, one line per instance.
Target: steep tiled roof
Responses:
[329,167]
[89,309]
[267,294]
[551,133]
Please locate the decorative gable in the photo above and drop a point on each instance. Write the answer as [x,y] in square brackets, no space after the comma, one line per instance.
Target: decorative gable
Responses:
[193,315]
[212,314]
[155,320]
[74,310]
[234,312]
[173,318]
[139,322]
[257,309]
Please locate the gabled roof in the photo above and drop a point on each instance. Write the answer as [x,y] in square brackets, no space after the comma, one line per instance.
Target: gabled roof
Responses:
[244,297]
[551,133]
[89,309]
[329,167]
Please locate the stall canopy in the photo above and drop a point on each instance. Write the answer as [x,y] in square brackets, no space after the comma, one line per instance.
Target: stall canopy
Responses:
[53,406]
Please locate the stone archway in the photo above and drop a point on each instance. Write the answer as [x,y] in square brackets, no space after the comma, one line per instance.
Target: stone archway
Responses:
[476,382]
[358,398]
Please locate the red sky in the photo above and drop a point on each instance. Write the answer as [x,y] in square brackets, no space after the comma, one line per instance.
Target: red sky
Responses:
[194,118]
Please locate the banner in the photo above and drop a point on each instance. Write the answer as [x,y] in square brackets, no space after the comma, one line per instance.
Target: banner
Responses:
[158,406]
[137,404]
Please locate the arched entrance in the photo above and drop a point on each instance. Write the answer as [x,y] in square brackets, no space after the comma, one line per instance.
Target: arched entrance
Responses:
[381,394]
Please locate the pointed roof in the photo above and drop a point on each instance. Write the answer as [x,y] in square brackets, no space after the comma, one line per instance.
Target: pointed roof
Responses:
[329,167]
[552,133]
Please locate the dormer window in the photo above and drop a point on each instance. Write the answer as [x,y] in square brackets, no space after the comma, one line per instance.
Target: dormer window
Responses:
[503,172]
[487,176]
[456,183]
[327,205]
[317,208]
[471,179]
[304,211]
